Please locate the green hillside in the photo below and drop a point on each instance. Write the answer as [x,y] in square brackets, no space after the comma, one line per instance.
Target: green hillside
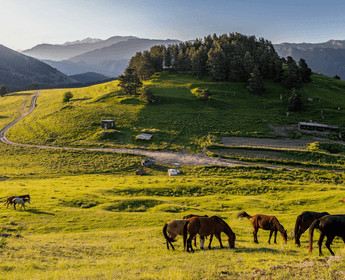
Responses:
[181,120]
[91,217]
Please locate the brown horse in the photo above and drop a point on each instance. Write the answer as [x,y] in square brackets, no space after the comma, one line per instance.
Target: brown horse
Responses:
[265,222]
[9,200]
[209,226]
[191,216]
[173,228]
[329,226]
[304,221]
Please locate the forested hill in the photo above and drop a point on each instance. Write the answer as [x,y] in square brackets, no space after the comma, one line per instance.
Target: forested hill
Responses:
[234,57]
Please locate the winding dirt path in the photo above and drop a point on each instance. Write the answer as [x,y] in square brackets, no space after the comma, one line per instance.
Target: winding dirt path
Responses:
[163,157]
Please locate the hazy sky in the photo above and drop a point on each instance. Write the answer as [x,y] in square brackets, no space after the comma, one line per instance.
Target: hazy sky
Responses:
[25,24]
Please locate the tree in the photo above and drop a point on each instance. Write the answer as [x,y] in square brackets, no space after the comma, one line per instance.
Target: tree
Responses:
[147,95]
[205,95]
[167,57]
[256,84]
[129,82]
[305,71]
[67,96]
[292,78]
[217,63]
[295,102]
[4,90]
[336,77]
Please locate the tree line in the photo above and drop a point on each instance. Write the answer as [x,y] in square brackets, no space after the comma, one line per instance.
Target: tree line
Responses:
[234,58]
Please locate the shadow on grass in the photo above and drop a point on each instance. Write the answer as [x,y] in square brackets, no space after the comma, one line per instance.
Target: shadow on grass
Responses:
[264,250]
[34,211]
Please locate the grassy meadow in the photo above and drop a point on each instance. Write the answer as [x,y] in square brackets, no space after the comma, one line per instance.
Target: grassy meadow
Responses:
[91,217]
[180,121]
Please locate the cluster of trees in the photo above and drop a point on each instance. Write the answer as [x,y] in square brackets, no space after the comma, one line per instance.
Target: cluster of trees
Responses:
[234,57]
[4,90]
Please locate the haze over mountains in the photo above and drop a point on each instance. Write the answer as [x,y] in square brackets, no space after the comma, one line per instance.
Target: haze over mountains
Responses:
[108,57]
[327,58]
[19,70]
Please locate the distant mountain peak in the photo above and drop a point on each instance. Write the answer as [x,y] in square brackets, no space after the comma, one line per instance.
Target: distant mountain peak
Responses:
[88,40]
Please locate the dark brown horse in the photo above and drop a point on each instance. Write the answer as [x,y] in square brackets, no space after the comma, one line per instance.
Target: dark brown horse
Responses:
[329,226]
[173,228]
[209,226]
[201,237]
[304,221]
[265,222]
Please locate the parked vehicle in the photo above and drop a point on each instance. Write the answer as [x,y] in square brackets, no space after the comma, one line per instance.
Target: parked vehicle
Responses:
[147,162]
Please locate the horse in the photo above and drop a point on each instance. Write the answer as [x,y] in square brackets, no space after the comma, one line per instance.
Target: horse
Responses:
[329,226]
[304,221]
[209,226]
[265,222]
[191,216]
[173,228]
[10,199]
[21,201]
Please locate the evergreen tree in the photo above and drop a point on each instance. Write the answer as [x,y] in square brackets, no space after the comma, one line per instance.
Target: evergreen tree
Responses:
[4,90]
[129,82]
[292,78]
[167,57]
[295,102]
[256,84]
[305,71]
[174,54]
[216,63]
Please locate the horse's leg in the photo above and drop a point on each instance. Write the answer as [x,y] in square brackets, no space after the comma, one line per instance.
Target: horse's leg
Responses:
[202,242]
[319,243]
[255,232]
[329,242]
[189,244]
[195,240]
[269,239]
[275,237]
[220,240]
[209,245]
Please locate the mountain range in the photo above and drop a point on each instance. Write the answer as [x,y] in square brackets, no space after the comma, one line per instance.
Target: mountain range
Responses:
[109,57]
[19,70]
[327,58]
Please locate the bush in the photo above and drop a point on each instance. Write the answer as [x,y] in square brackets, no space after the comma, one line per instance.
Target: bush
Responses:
[204,95]
[67,96]
[147,96]
[296,135]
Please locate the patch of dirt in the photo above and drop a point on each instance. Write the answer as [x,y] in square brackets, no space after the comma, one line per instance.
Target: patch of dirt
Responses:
[253,153]
[4,179]
[283,130]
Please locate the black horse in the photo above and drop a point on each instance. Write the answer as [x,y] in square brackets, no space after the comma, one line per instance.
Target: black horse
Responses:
[329,226]
[304,221]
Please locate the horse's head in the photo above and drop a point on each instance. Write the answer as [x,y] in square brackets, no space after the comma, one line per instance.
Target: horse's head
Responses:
[284,235]
[231,240]
[27,200]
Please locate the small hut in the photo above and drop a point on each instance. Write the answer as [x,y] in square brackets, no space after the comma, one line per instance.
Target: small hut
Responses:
[108,124]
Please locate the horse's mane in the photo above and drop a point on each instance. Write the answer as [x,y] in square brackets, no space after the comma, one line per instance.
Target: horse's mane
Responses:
[279,226]
[228,227]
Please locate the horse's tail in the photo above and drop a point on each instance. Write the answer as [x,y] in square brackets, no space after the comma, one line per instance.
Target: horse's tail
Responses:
[297,226]
[168,239]
[315,224]
[243,214]
[185,232]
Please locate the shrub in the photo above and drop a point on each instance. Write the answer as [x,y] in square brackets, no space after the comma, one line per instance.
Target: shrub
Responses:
[67,96]
[147,96]
[204,95]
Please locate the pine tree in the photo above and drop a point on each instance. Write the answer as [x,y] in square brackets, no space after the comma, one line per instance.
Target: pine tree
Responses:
[295,102]
[167,57]
[256,84]
[217,63]
[305,71]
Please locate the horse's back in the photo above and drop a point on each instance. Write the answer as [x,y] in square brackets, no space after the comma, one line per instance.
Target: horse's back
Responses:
[176,226]
[334,224]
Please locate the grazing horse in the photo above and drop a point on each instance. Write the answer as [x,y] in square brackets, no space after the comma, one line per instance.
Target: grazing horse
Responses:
[21,201]
[173,228]
[265,222]
[329,226]
[209,226]
[191,216]
[304,221]
[9,200]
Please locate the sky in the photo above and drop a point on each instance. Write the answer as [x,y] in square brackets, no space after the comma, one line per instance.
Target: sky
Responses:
[25,24]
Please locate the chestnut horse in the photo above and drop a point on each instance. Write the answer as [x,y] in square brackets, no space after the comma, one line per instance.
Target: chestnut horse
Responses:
[191,216]
[173,228]
[304,221]
[209,226]
[265,222]
[329,226]
[9,200]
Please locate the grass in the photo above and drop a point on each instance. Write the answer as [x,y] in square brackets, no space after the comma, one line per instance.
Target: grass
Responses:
[108,226]
[180,121]
[91,217]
